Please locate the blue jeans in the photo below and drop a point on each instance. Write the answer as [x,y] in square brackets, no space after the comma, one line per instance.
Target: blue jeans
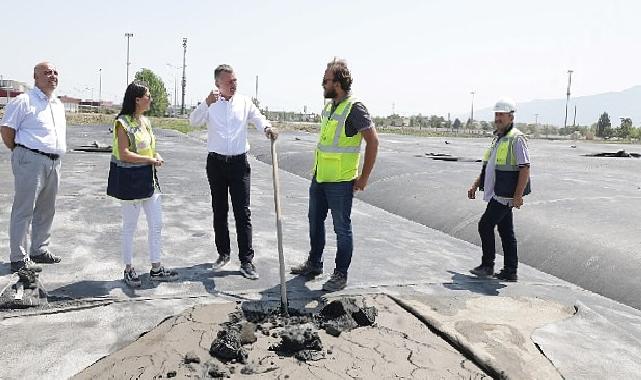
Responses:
[498,215]
[335,196]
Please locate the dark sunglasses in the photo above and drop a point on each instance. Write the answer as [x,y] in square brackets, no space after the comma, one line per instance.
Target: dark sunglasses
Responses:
[49,72]
[327,80]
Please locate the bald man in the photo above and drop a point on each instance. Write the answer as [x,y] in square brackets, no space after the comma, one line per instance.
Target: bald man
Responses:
[34,128]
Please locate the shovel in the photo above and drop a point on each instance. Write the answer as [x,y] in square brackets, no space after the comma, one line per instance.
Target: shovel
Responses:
[279,231]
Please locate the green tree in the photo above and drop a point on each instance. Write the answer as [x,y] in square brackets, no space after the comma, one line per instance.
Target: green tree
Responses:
[156,89]
[436,121]
[625,129]
[456,124]
[603,126]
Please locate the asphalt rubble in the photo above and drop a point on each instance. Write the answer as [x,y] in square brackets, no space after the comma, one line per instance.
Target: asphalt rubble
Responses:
[26,292]
[296,334]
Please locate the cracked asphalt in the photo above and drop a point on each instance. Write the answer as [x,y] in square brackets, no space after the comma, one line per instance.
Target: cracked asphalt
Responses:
[95,315]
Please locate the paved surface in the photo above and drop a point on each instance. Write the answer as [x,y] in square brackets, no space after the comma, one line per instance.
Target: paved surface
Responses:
[94,314]
[579,223]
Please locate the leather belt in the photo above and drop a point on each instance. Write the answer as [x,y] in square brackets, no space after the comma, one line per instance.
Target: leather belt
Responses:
[51,156]
[222,157]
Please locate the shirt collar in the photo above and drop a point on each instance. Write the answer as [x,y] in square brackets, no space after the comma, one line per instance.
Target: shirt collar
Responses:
[335,103]
[38,92]
[499,135]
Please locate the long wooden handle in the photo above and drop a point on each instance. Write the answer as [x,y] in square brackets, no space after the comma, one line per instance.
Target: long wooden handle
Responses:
[279,231]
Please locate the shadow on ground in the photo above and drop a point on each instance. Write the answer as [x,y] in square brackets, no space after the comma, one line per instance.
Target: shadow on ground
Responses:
[485,286]
[92,288]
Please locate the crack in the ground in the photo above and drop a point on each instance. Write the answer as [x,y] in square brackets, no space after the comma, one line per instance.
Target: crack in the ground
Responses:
[548,359]
[458,346]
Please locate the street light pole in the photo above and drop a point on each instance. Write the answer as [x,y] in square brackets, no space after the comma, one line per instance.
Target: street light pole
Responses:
[174,69]
[184,82]
[128,35]
[567,99]
[472,113]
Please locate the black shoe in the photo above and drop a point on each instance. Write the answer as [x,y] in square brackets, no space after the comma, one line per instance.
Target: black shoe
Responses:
[46,258]
[131,278]
[507,275]
[221,262]
[483,270]
[26,263]
[162,274]
[307,269]
[249,271]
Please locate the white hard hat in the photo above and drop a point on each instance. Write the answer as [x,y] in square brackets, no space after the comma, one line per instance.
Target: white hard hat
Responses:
[505,105]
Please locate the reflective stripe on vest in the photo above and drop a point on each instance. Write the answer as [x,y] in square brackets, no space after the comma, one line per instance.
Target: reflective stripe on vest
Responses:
[505,157]
[337,156]
[138,137]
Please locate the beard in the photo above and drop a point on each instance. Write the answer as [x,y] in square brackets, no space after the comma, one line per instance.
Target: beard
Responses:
[330,93]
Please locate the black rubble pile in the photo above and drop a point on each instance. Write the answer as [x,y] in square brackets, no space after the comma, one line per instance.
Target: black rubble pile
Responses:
[28,291]
[301,341]
[28,278]
[227,346]
[294,335]
[345,315]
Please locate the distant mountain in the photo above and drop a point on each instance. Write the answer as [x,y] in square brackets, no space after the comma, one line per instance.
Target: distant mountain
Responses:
[588,109]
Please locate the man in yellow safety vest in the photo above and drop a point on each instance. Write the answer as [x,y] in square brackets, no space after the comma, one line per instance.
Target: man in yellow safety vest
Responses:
[345,123]
[504,179]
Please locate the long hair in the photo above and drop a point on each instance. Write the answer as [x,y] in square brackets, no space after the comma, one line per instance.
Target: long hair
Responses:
[134,91]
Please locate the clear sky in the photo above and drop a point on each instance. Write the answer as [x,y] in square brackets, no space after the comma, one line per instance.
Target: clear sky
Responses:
[416,56]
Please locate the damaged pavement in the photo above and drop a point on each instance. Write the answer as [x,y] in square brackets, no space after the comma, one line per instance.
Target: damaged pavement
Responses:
[395,345]
[429,318]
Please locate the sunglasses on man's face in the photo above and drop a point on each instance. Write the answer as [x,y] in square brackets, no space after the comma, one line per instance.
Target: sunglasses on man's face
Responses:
[51,72]
[325,80]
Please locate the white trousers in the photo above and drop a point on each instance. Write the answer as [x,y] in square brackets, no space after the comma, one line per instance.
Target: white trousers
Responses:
[130,213]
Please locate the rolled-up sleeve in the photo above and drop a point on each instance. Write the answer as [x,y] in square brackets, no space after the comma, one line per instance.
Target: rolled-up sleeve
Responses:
[257,118]
[198,117]
[14,113]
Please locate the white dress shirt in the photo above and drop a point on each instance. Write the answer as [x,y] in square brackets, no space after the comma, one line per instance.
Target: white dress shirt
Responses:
[39,121]
[226,122]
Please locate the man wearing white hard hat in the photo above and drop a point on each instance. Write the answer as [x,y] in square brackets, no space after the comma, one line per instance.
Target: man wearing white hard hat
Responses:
[504,180]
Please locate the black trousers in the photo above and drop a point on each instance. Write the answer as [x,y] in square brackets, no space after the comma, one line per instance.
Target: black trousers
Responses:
[231,175]
[498,215]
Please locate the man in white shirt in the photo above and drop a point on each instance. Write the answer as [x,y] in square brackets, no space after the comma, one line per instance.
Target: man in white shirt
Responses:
[226,115]
[34,128]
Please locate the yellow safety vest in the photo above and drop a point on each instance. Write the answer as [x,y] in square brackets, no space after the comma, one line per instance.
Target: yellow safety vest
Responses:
[505,157]
[337,156]
[141,138]
[130,181]
[506,166]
